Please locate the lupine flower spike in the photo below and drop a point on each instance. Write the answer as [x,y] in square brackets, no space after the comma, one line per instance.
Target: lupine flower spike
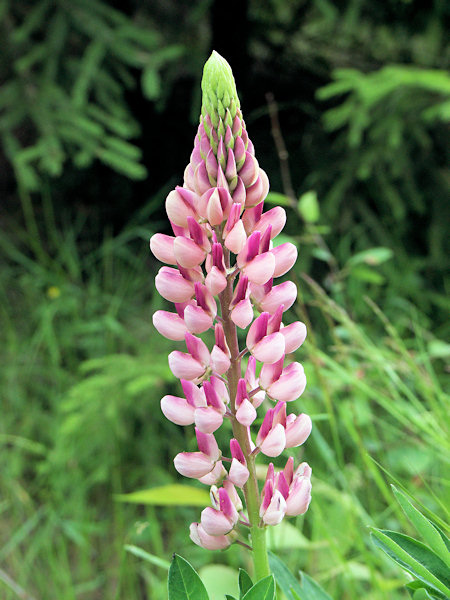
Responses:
[221,266]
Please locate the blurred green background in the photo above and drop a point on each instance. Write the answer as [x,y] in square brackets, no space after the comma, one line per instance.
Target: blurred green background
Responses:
[348,105]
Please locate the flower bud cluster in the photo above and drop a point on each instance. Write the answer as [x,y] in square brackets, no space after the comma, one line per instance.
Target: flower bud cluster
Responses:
[221,270]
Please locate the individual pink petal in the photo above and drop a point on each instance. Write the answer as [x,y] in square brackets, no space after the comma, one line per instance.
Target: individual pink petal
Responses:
[235,240]
[170,325]
[276,217]
[197,349]
[303,470]
[207,444]
[214,211]
[238,473]
[285,257]
[276,509]
[215,281]
[297,430]
[201,179]
[275,441]
[173,286]
[162,247]
[294,336]
[260,269]
[233,495]
[187,253]
[179,206]
[208,420]
[215,476]
[184,366]
[196,319]
[270,349]
[177,410]
[249,170]
[246,413]
[193,464]
[290,385]
[210,542]
[220,362]
[257,331]
[270,373]
[284,293]
[299,497]
[257,192]
[193,394]
[241,314]
[214,522]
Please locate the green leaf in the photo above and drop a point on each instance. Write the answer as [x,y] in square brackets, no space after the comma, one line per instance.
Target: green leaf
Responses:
[308,207]
[245,582]
[278,199]
[263,590]
[219,580]
[424,527]
[372,257]
[151,558]
[184,582]
[367,274]
[412,586]
[168,495]
[151,83]
[308,589]
[414,557]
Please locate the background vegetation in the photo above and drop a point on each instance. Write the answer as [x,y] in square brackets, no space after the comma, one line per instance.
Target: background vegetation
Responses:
[98,107]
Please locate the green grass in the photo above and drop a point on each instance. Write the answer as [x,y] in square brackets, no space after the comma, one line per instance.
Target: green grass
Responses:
[81,378]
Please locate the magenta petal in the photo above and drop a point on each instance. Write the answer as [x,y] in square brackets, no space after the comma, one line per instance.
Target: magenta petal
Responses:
[257,331]
[177,410]
[270,349]
[170,325]
[193,464]
[294,336]
[184,366]
[276,217]
[207,444]
[276,509]
[197,349]
[249,170]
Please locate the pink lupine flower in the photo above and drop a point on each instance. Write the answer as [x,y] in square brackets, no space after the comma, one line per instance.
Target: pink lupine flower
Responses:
[223,262]
[222,518]
[210,542]
[238,473]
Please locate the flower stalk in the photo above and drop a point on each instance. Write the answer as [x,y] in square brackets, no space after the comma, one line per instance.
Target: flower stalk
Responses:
[223,265]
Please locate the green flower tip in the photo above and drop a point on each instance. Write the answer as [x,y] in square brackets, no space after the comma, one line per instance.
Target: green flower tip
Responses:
[218,87]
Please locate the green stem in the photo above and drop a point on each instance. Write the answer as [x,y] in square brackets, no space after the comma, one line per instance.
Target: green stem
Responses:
[251,489]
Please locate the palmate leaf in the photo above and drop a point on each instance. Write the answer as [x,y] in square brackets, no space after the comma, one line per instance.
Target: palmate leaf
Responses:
[184,582]
[414,557]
